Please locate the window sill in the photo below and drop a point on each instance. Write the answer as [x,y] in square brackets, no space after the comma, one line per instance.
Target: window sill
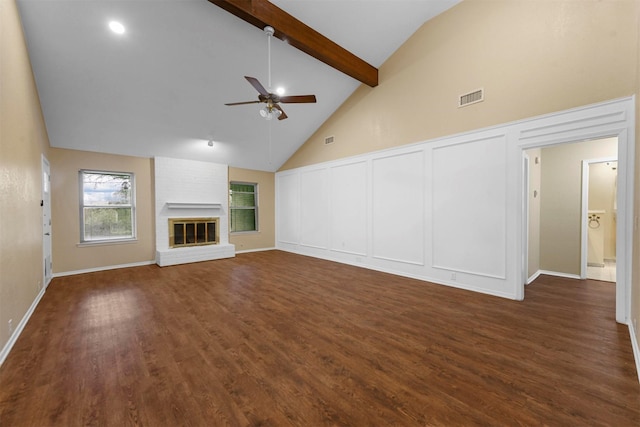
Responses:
[107,242]
[236,233]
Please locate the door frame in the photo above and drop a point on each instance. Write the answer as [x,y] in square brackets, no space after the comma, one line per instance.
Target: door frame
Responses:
[47,250]
[615,118]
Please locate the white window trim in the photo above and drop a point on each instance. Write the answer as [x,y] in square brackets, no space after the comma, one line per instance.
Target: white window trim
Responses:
[255,208]
[134,226]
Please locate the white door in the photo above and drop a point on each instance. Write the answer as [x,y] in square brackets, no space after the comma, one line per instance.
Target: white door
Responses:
[46,220]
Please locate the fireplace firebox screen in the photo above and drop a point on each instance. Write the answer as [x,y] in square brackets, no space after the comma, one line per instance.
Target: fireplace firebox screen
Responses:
[192,232]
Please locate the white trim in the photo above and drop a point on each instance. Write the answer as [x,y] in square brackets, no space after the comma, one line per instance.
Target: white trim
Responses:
[108,267]
[194,205]
[636,348]
[432,280]
[117,241]
[16,333]
[247,251]
[526,173]
[47,249]
[615,118]
[558,274]
[533,277]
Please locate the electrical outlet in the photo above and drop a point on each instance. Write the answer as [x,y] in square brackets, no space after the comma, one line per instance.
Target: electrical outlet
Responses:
[453,276]
[10,326]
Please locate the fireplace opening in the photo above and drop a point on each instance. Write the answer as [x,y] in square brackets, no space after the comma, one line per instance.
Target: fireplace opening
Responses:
[193,232]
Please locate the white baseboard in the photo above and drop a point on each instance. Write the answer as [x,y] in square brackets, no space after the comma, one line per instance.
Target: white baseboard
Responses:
[16,333]
[256,250]
[109,267]
[534,276]
[429,279]
[557,274]
[636,348]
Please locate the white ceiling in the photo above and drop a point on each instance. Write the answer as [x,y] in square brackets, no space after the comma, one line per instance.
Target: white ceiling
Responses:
[160,89]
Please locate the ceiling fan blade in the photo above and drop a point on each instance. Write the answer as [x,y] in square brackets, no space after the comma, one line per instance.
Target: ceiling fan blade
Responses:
[243,103]
[282,115]
[257,85]
[298,99]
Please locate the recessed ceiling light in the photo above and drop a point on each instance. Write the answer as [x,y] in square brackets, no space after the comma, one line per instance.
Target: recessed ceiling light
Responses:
[280,91]
[116,27]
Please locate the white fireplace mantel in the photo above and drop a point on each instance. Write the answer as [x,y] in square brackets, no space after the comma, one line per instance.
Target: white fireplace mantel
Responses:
[194,205]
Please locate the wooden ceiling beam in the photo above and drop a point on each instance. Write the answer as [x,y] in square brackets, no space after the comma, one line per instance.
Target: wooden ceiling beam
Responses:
[287,28]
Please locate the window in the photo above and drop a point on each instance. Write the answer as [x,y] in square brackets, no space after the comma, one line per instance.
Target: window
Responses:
[107,211]
[243,206]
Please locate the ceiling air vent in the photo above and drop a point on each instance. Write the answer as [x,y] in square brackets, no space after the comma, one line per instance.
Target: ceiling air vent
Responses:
[329,140]
[471,98]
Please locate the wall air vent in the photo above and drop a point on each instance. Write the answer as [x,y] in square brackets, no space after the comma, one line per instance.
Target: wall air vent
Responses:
[329,140]
[471,98]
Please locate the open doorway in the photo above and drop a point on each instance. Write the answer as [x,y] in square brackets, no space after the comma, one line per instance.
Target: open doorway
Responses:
[606,120]
[559,207]
[599,218]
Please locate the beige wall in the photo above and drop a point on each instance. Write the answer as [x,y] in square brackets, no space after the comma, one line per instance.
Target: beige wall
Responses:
[68,256]
[265,237]
[531,58]
[23,140]
[561,202]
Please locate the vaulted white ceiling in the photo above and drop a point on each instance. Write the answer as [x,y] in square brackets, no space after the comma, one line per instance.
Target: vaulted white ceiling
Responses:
[160,88]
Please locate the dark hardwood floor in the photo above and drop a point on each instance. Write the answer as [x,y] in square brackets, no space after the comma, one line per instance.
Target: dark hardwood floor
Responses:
[277,339]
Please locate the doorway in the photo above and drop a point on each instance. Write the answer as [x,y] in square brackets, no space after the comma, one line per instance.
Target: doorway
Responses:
[559,208]
[46,222]
[610,119]
[599,218]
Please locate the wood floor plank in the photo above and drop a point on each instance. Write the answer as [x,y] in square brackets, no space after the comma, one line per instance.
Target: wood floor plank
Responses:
[273,338]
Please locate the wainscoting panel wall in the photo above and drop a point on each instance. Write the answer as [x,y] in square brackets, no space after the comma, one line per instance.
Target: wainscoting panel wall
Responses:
[398,207]
[314,209]
[348,223]
[449,210]
[469,206]
[287,209]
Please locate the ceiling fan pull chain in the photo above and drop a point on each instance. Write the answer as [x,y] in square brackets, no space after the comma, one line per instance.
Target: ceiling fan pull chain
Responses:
[270,152]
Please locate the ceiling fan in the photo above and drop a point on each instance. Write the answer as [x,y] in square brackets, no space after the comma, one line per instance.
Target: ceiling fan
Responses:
[272,100]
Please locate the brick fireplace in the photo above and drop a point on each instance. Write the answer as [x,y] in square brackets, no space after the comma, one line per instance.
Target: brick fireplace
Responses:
[192,205]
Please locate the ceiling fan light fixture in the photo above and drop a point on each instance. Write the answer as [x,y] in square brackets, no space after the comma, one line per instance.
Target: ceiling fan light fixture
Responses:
[116,27]
[269,112]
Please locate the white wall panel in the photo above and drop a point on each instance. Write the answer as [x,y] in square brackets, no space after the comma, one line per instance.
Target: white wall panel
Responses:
[314,209]
[469,207]
[398,207]
[450,210]
[349,208]
[288,208]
